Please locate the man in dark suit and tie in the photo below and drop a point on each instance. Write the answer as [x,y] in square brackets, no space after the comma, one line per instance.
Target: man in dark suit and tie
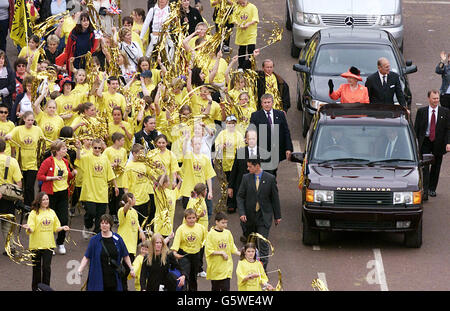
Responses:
[273,133]
[383,84]
[392,145]
[258,204]
[432,127]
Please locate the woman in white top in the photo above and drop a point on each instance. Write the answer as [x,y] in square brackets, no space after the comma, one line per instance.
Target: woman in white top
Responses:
[158,15]
[126,68]
[131,48]
[23,101]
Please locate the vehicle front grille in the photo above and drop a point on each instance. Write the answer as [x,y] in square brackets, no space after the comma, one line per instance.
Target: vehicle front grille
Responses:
[339,20]
[361,225]
[363,198]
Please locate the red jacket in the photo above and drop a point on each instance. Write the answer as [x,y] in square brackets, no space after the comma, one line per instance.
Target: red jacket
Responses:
[47,168]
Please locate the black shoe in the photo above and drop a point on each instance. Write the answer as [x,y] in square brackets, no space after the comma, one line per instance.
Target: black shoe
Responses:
[432,193]
[425,197]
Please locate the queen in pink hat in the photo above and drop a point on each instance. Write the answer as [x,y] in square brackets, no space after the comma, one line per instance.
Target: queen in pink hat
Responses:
[350,92]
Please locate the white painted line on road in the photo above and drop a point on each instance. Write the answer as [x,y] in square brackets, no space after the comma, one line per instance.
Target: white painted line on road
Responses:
[380,270]
[316,248]
[323,278]
[419,104]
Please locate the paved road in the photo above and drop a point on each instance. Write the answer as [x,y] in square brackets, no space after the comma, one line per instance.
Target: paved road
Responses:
[345,261]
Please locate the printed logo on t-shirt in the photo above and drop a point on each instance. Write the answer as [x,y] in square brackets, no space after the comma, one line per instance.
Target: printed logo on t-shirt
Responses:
[98,168]
[49,128]
[222,245]
[28,140]
[68,107]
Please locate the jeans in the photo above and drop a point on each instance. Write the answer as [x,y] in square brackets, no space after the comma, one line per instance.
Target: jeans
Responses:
[190,264]
[4,24]
[29,180]
[114,202]
[59,202]
[41,267]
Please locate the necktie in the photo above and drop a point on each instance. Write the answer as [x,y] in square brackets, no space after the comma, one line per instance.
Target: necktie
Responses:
[257,186]
[433,126]
[384,81]
[269,118]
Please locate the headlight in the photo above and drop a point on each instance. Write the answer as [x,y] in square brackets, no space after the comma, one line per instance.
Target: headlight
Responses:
[307,18]
[319,196]
[317,103]
[390,20]
[407,197]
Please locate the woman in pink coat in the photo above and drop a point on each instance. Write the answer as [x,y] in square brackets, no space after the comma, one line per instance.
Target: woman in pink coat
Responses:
[350,92]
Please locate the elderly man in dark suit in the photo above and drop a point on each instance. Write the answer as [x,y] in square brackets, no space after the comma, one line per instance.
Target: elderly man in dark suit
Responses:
[258,204]
[273,133]
[383,84]
[432,127]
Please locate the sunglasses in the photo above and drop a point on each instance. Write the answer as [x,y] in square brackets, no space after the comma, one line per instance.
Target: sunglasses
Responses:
[21,65]
[97,148]
[3,112]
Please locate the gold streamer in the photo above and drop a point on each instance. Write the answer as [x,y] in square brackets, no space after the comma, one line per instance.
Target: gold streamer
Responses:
[21,255]
[319,285]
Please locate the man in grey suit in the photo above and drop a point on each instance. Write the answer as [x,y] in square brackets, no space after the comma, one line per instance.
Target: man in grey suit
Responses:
[258,203]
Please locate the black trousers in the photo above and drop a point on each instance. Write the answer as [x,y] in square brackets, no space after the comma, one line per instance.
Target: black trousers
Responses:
[244,62]
[59,202]
[220,285]
[29,179]
[114,202]
[431,172]
[255,224]
[42,261]
[190,264]
[93,213]
[445,100]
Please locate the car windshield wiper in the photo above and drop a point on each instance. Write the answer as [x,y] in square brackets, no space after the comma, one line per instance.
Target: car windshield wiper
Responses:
[344,160]
[389,161]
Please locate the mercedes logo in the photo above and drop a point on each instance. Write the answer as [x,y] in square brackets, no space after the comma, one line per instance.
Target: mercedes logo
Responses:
[349,21]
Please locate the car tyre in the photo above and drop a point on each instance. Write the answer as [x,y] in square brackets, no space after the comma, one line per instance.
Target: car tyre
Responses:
[304,123]
[413,239]
[288,18]
[310,237]
[295,51]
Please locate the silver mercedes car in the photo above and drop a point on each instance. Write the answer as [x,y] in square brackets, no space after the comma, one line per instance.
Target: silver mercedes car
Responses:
[305,17]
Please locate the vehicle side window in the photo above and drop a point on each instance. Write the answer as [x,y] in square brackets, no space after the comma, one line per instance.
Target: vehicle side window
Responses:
[311,50]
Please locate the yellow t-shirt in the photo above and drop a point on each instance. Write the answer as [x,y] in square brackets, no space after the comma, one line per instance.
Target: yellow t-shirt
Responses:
[165,210]
[84,129]
[23,53]
[5,128]
[199,208]
[117,157]
[128,228]
[14,173]
[82,92]
[68,24]
[245,268]
[60,185]
[28,143]
[97,172]
[232,141]
[65,105]
[199,106]
[137,266]
[243,15]
[79,175]
[220,75]
[50,125]
[43,225]
[217,267]
[169,161]
[189,239]
[137,180]
[247,111]
[196,168]
[113,128]
[112,100]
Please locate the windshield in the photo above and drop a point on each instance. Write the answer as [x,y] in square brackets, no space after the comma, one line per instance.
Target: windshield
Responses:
[334,59]
[362,143]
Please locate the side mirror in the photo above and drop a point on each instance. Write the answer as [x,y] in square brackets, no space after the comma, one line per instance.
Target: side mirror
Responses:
[410,69]
[297,157]
[426,159]
[408,63]
[301,68]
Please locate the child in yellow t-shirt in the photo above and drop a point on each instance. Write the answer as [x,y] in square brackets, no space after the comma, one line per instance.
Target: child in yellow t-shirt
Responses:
[246,19]
[250,271]
[165,202]
[189,239]
[137,263]
[219,246]
[41,225]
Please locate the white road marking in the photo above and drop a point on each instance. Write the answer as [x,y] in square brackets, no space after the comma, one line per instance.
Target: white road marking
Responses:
[380,270]
[323,278]
[316,248]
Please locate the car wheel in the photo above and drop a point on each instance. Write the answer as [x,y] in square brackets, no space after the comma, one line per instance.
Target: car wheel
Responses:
[299,100]
[413,239]
[288,18]
[310,237]
[295,51]
[304,123]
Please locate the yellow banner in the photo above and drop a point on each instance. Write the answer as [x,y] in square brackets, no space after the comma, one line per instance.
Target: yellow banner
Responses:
[19,28]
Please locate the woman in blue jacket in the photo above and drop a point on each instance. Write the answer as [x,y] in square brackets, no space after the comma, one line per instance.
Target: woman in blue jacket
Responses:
[103,275]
